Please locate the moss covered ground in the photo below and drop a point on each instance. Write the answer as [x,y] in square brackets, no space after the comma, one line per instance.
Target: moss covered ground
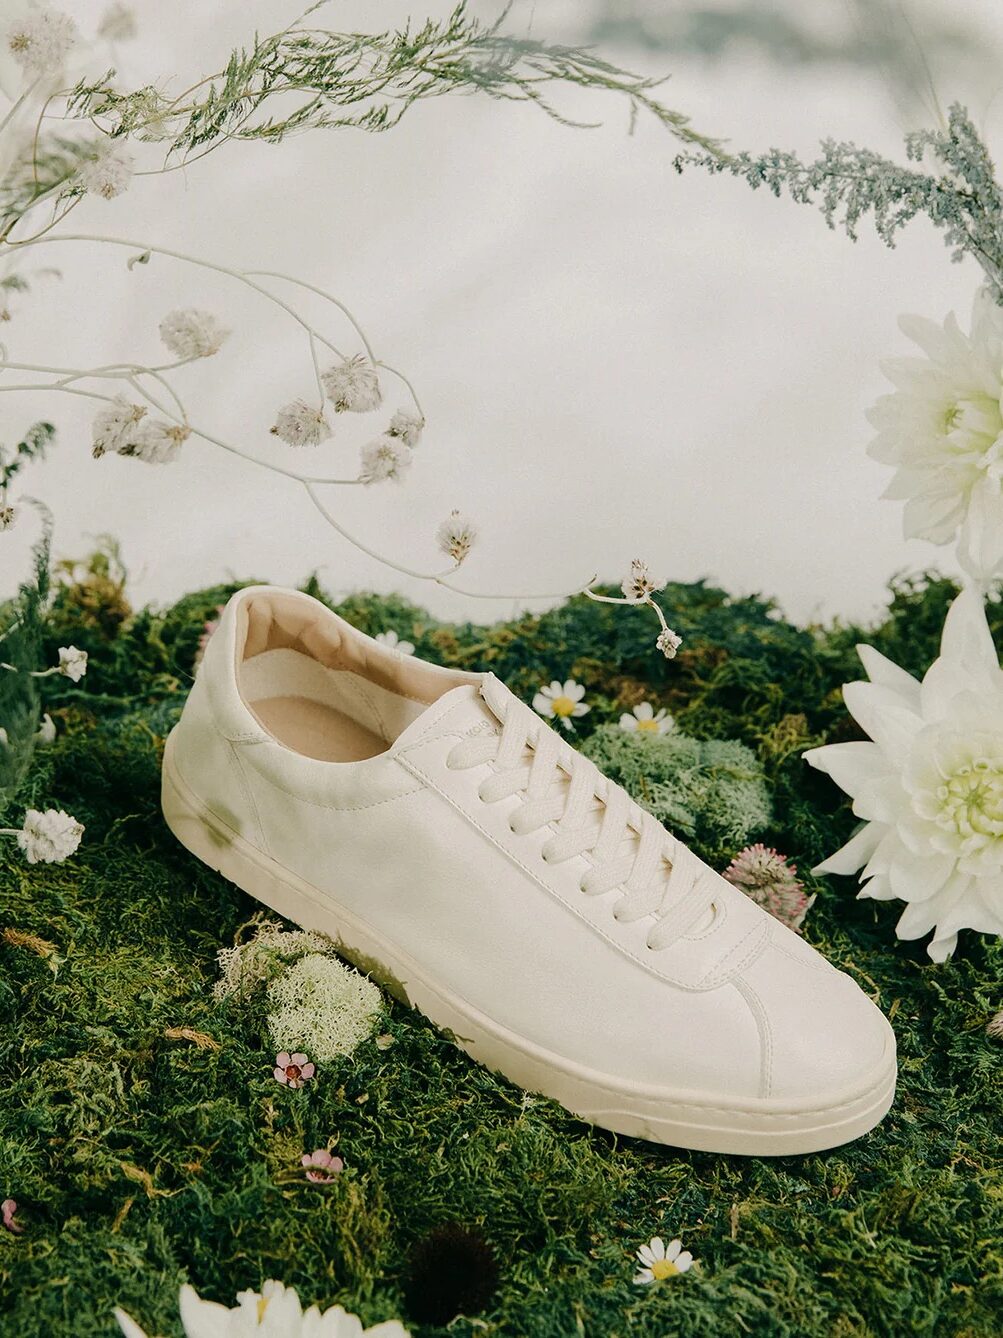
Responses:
[143,1156]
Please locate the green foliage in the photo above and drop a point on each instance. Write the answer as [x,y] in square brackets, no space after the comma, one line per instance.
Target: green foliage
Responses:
[959,194]
[32,446]
[142,1159]
[711,790]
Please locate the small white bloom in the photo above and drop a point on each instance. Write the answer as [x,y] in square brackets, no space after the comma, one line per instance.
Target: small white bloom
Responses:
[639,583]
[661,1261]
[114,426]
[40,40]
[192,333]
[456,536]
[7,517]
[562,702]
[668,642]
[392,641]
[643,719]
[408,425]
[274,1312]
[300,424]
[4,738]
[49,837]
[929,788]
[384,458]
[47,729]
[107,175]
[72,663]
[353,385]
[155,442]
[118,23]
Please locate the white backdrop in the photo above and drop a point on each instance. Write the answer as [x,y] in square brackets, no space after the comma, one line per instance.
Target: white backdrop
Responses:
[614,360]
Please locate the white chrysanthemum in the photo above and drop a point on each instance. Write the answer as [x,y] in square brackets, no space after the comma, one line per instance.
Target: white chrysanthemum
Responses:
[930,785]
[40,40]
[456,536]
[384,458]
[47,730]
[155,442]
[72,663]
[274,1312]
[942,431]
[115,426]
[392,641]
[192,333]
[562,702]
[107,175]
[322,1006]
[118,23]
[408,425]
[659,1261]
[8,516]
[300,424]
[668,642]
[639,583]
[353,386]
[49,837]
[644,719]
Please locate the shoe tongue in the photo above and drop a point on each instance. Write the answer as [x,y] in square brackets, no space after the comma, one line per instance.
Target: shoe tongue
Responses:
[459,711]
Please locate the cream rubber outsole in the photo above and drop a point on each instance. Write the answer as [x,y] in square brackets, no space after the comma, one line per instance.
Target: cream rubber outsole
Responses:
[751,1127]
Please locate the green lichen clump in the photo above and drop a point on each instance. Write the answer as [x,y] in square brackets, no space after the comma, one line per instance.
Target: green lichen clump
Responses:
[711,789]
[147,1142]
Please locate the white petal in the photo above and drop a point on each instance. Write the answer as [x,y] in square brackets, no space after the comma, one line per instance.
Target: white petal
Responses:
[683,1261]
[919,877]
[202,1319]
[886,674]
[880,800]
[967,639]
[855,854]
[850,765]
[980,546]
[127,1324]
[880,713]
[673,1249]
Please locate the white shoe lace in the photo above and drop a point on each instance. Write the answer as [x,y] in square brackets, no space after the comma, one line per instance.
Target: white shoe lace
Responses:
[594,818]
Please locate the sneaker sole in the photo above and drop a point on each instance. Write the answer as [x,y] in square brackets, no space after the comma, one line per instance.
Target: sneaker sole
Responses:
[660,1115]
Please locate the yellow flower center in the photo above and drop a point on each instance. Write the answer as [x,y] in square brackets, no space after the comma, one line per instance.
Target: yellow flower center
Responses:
[664,1268]
[972,801]
[651,725]
[563,706]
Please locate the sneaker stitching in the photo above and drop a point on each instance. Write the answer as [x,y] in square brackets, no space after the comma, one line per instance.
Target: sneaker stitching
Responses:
[762,1019]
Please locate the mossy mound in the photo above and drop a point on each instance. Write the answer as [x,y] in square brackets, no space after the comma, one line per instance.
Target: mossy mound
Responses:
[142,1157]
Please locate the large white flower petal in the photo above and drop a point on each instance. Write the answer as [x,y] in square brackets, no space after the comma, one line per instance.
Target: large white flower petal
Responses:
[880,800]
[855,854]
[880,713]
[202,1319]
[980,543]
[918,877]
[851,765]
[884,672]
[966,638]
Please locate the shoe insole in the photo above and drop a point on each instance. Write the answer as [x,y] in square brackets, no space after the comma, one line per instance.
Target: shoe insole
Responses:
[316,730]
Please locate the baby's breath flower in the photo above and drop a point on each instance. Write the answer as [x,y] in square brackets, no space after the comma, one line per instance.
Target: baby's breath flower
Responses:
[114,427]
[456,536]
[408,425]
[7,517]
[41,39]
[155,442]
[107,175]
[668,643]
[353,385]
[192,333]
[639,583]
[384,458]
[49,837]
[300,424]
[118,23]
[72,663]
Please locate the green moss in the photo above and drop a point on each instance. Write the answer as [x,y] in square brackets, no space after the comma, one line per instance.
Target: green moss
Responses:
[141,1159]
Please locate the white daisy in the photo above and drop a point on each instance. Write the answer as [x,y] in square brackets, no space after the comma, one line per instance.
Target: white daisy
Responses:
[408,425]
[392,641]
[942,431]
[300,424]
[353,386]
[190,333]
[384,458]
[661,1261]
[107,175]
[562,702]
[639,583]
[644,719]
[40,40]
[456,536]
[72,663]
[49,837]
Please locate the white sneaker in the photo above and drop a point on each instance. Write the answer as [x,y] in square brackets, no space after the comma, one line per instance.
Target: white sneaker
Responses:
[465,855]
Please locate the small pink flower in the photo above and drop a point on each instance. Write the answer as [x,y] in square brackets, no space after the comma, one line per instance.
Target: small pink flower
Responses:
[765,876]
[292,1070]
[321,1166]
[8,1208]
